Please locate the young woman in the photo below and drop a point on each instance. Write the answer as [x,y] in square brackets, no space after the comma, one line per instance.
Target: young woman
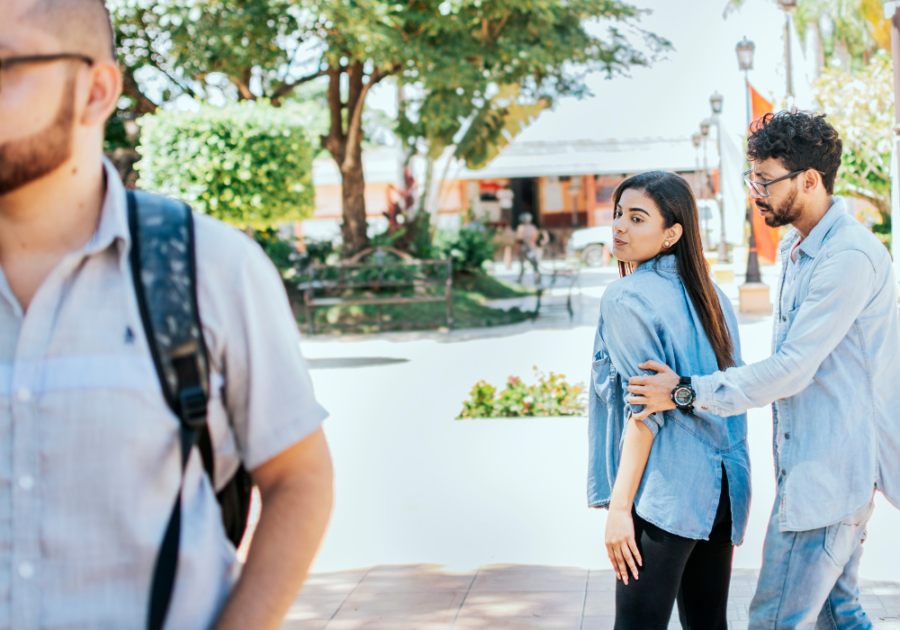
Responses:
[677,484]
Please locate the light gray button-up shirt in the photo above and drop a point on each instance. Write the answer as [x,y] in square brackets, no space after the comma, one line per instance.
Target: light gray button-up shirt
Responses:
[89,455]
[834,376]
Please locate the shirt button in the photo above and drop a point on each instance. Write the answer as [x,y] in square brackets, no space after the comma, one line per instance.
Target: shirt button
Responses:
[24,395]
[26,570]
[26,482]
[787,436]
[783,471]
[784,318]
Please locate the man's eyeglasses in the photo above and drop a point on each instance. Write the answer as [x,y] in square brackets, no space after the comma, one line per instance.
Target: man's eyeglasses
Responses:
[762,188]
[18,61]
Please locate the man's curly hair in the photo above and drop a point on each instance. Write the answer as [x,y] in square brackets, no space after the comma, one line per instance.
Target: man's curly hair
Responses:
[800,141]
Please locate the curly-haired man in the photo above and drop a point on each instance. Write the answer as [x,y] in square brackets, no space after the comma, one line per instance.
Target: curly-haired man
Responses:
[833,381]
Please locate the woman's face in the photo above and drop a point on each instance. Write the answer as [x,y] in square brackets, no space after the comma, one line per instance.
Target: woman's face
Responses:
[639,231]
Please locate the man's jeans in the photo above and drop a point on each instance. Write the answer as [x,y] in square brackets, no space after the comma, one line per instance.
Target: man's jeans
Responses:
[810,579]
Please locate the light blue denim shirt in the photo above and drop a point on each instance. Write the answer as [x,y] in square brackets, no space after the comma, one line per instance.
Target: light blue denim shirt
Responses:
[834,376]
[648,315]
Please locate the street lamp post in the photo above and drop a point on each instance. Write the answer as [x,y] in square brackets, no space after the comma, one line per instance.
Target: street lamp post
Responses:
[787,6]
[715,103]
[698,183]
[745,50]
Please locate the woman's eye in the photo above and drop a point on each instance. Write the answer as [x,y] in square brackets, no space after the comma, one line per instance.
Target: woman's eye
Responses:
[636,219]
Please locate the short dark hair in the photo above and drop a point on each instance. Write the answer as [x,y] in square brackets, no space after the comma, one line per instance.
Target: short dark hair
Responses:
[800,140]
[82,26]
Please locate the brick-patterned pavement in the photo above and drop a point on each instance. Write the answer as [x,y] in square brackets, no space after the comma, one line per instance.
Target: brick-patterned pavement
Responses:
[503,597]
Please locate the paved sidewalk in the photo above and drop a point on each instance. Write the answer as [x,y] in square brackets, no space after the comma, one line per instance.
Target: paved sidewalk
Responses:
[503,597]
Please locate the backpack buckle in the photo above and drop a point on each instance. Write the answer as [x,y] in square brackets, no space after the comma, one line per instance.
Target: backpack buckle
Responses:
[192,402]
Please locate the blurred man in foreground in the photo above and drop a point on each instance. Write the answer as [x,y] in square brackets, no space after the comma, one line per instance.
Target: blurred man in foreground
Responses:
[91,461]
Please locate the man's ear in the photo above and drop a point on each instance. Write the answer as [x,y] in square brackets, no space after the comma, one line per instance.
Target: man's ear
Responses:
[104,90]
[811,179]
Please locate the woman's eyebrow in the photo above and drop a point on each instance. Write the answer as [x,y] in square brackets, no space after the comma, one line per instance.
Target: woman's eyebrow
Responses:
[639,210]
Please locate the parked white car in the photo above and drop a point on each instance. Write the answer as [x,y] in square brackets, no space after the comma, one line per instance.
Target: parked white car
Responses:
[588,243]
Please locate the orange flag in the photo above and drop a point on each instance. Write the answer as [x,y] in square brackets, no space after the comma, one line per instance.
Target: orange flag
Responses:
[766,238]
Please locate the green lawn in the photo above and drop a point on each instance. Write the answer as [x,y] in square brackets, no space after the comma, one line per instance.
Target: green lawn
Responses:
[469,294]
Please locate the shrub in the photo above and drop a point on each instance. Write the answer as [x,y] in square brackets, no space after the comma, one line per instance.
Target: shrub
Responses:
[249,164]
[470,248]
[280,250]
[550,396]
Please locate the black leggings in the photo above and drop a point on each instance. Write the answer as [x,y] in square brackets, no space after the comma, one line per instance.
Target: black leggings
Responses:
[695,573]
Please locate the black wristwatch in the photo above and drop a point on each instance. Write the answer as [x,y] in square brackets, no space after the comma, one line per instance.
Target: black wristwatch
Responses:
[683,395]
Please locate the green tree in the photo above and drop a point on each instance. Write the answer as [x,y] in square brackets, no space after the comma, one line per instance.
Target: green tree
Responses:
[250,163]
[463,49]
[855,29]
[858,27]
[860,104]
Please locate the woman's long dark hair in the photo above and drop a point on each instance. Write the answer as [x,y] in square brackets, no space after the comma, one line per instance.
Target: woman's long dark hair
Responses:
[675,200]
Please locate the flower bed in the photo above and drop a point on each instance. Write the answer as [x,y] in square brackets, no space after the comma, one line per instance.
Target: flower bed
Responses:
[550,396]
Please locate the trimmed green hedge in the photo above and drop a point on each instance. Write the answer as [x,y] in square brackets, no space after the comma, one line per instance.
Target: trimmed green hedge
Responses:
[249,164]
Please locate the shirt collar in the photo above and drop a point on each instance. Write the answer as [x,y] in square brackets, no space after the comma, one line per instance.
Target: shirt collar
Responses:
[663,262]
[113,226]
[814,240]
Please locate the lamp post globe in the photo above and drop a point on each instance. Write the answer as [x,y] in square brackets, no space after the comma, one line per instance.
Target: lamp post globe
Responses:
[695,138]
[704,127]
[787,5]
[745,49]
[715,101]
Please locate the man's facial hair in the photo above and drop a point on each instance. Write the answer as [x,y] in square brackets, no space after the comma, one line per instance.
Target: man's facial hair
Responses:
[786,213]
[28,159]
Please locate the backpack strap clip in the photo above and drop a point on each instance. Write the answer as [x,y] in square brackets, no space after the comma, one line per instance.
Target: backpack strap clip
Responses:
[192,404]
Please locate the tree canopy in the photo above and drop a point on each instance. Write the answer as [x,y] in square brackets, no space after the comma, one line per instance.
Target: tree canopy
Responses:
[471,70]
[861,107]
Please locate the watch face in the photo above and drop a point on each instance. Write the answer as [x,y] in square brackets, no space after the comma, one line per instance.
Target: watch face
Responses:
[683,396]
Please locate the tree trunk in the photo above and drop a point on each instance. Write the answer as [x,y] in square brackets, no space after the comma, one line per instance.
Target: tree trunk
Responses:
[346,149]
[353,229]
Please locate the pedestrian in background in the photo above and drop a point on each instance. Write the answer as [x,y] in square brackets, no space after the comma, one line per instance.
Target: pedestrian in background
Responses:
[527,236]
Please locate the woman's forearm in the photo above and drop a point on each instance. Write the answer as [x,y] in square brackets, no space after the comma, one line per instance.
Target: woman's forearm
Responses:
[635,452]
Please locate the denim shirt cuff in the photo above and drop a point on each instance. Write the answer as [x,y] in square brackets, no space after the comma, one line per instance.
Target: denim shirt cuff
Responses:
[703,389]
[654,422]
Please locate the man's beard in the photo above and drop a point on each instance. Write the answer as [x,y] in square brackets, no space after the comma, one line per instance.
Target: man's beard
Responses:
[785,214]
[25,160]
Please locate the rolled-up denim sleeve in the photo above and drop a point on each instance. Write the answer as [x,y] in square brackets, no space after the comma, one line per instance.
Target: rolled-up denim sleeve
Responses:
[839,289]
[632,333]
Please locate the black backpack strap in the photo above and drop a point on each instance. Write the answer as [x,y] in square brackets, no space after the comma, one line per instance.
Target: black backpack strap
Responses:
[164,272]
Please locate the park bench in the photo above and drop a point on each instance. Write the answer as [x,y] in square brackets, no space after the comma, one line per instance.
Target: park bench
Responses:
[563,277]
[376,277]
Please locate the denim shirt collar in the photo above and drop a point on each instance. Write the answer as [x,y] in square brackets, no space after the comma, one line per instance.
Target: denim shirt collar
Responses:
[813,242]
[662,262]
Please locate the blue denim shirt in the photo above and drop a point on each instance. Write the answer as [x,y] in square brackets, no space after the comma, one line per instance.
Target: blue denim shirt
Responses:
[648,315]
[834,376]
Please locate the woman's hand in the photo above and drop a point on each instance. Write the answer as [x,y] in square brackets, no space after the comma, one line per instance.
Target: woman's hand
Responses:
[620,543]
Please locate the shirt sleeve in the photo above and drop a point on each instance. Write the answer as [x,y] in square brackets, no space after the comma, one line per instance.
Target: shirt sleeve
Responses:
[630,330]
[839,290]
[268,390]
